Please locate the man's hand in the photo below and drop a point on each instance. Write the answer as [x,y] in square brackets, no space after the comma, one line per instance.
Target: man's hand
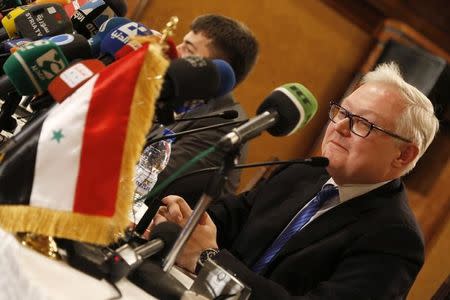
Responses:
[204,236]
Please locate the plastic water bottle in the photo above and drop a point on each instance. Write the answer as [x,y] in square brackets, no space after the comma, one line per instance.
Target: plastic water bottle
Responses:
[153,160]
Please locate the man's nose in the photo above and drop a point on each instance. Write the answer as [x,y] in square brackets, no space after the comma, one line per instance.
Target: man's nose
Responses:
[343,126]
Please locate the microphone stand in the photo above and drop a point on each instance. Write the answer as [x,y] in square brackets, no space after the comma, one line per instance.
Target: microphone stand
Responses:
[213,190]
[169,136]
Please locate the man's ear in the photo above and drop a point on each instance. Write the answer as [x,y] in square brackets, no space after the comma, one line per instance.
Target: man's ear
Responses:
[408,153]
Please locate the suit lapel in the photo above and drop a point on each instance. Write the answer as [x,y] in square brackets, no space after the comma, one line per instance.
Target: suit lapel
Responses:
[264,231]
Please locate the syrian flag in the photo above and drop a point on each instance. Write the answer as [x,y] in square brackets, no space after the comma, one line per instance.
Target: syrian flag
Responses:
[70,173]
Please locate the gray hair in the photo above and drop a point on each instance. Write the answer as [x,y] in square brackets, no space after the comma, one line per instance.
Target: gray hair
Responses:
[417,121]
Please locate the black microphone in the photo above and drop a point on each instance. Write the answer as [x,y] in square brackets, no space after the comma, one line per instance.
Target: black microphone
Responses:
[192,78]
[89,17]
[195,130]
[43,20]
[283,112]
[154,203]
[226,114]
[126,258]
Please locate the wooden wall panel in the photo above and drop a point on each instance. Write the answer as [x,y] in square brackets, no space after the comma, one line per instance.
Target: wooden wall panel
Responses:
[300,41]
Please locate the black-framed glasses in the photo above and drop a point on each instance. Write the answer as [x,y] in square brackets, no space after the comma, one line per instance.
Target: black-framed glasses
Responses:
[358,125]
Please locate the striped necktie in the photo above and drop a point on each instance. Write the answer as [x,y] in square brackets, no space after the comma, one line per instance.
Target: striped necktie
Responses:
[328,192]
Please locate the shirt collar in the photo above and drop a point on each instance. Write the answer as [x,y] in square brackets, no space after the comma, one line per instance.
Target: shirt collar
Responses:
[350,191]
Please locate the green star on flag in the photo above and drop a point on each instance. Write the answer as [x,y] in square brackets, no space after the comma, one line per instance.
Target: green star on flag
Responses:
[57,135]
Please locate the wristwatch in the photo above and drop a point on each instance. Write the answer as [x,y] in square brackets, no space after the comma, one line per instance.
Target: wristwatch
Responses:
[208,253]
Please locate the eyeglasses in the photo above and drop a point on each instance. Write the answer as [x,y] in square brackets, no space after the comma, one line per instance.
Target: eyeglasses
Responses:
[358,125]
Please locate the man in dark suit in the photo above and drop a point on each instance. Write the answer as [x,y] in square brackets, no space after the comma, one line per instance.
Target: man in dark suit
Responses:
[344,232]
[216,37]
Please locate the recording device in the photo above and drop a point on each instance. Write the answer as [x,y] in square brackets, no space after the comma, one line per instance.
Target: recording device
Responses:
[192,78]
[75,75]
[43,20]
[104,30]
[62,2]
[11,44]
[117,38]
[31,68]
[74,46]
[214,282]
[73,6]
[7,5]
[9,26]
[126,258]
[115,264]
[283,112]
[89,17]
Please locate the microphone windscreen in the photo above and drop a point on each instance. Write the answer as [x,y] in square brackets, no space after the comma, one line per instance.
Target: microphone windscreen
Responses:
[227,77]
[295,105]
[73,6]
[230,114]
[119,37]
[7,45]
[168,232]
[43,20]
[118,6]
[104,29]
[190,78]
[74,46]
[8,22]
[62,2]
[69,80]
[32,67]
[9,4]
[89,17]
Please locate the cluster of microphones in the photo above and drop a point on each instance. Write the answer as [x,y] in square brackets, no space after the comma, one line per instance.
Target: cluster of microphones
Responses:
[45,42]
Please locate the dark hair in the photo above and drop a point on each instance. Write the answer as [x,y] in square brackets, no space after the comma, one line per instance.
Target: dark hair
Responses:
[232,41]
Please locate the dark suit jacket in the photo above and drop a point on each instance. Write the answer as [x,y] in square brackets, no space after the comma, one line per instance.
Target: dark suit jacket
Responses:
[369,247]
[188,146]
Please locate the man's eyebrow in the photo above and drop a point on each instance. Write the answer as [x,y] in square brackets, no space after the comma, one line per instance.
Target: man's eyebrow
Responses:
[188,42]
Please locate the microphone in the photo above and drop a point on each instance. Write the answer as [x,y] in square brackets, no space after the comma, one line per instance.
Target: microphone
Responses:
[9,27]
[75,75]
[283,112]
[6,5]
[117,38]
[195,130]
[126,258]
[31,68]
[89,17]
[43,20]
[226,114]
[62,2]
[10,44]
[74,46]
[105,29]
[191,78]
[170,49]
